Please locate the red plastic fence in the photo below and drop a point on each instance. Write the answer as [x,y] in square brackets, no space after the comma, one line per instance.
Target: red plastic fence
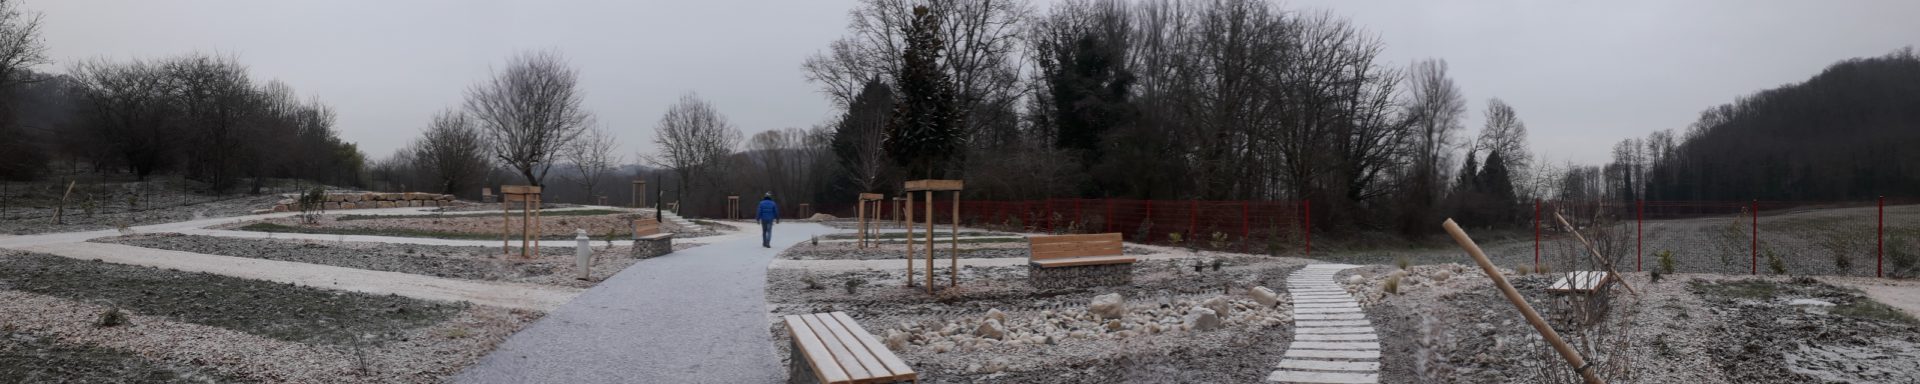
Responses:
[1582,213]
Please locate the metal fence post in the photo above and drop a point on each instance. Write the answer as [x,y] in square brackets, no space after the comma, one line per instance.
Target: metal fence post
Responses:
[1880,242]
[1639,224]
[1754,210]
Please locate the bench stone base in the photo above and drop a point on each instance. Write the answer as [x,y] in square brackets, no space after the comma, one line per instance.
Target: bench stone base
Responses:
[1079,276]
[647,247]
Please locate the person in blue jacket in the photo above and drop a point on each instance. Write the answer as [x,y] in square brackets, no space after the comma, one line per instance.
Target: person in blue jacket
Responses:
[769,215]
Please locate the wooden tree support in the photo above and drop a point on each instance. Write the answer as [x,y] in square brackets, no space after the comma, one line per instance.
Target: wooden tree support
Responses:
[928,188]
[1578,363]
[529,198]
[869,206]
[733,207]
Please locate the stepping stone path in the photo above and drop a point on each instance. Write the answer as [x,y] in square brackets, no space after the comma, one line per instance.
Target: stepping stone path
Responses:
[1332,340]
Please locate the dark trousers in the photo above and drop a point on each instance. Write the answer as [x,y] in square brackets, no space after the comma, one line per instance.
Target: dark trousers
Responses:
[766,233]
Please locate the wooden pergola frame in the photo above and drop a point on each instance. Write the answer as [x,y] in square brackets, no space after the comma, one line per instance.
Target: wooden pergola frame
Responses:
[733,207]
[867,200]
[639,193]
[529,198]
[928,188]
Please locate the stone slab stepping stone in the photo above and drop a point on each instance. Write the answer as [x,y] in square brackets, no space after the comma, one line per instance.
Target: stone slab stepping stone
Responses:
[1322,377]
[1346,304]
[1326,354]
[1331,323]
[1329,365]
[1306,310]
[1335,337]
[1332,330]
[1342,345]
[1330,316]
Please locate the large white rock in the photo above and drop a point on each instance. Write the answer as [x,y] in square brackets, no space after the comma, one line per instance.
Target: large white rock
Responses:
[991,329]
[1202,319]
[1266,297]
[897,340]
[1109,306]
[1219,305]
[995,314]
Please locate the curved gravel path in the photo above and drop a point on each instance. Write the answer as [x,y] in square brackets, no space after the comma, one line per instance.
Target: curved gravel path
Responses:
[693,316]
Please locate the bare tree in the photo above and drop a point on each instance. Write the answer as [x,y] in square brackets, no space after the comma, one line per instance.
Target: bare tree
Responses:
[593,159]
[693,137]
[216,100]
[1506,134]
[1433,110]
[452,153]
[20,45]
[530,112]
[126,108]
[859,136]
[979,38]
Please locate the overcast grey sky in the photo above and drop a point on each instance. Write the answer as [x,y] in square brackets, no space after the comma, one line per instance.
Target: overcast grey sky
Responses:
[1581,74]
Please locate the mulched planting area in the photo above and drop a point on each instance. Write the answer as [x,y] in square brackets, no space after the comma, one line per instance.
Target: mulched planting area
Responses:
[1050,335]
[30,358]
[274,310]
[1689,328]
[458,227]
[579,212]
[553,266]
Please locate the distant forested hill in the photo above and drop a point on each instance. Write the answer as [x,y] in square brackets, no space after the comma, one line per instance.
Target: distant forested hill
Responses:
[1850,133]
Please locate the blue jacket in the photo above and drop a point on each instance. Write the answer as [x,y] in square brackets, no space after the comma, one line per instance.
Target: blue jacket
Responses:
[768,211]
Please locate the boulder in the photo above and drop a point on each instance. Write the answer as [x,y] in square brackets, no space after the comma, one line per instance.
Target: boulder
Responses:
[1108,306]
[991,329]
[355,197]
[1441,275]
[334,197]
[897,340]
[1264,296]
[1356,279]
[995,314]
[821,216]
[1219,305]
[1202,319]
[444,198]
[1114,325]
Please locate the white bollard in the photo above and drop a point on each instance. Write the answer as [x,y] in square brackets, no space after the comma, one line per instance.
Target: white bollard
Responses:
[583,252]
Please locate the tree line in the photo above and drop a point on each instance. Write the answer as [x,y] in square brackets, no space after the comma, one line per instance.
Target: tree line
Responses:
[200,115]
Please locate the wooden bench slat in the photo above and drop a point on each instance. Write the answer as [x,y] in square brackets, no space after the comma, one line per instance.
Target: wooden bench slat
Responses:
[1083,251]
[839,354]
[1080,261]
[814,351]
[892,362]
[861,355]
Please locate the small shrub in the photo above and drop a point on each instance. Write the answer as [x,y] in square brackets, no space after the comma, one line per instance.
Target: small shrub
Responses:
[1015,223]
[1901,259]
[853,284]
[1219,240]
[1666,262]
[1543,269]
[113,317]
[312,204]
[1842,248]
[1521,269]
[1173,238]
[1144,231]
[811,282]
[816,241]
[1655,275]
[1392,285]
[1198,266]
[1216,264]
[1775,264]
[1401,262]
[1273,249]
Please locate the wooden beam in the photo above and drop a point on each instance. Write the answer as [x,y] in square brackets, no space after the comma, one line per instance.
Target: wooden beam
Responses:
[935,185]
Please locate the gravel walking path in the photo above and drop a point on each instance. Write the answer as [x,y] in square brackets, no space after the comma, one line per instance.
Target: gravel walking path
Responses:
[693,316]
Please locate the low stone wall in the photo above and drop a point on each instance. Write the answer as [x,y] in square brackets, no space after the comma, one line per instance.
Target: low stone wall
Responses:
[647,247]
[1079,276]
[371,200]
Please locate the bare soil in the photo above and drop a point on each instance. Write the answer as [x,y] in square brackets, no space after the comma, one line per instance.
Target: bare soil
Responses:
[1685,328]
[29,358]
[484,227]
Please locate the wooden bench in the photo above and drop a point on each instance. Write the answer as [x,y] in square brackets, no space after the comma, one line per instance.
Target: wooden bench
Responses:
[832,348]
[649,241]
[1078,261]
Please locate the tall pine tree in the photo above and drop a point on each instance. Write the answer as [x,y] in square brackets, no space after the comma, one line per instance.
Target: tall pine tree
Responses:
[925,131]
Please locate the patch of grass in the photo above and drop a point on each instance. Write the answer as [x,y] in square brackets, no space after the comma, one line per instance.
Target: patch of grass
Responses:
[1868,309]
[1666,262]
[393,232]
[543,214]
[1401,262]
[1744,289]
[113,317]
[274,310]
[1392,285]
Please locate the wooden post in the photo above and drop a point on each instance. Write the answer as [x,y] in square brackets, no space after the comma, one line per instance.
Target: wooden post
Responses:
[526,216]
[861,210]
[639,193]
[537,200]
[506,225]
[1546,331]
[60,212]
[929,241]
[907,218]
[953,269]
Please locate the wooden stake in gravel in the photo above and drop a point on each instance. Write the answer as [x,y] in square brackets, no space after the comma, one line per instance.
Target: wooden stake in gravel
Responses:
[1596,255]
[1546,331]
[60,212]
